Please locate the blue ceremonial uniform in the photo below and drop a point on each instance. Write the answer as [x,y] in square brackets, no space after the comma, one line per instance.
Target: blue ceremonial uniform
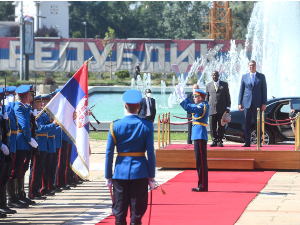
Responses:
[13,123]
[24,135]
[128,168]
[133,137]
[38,161]
[200,113]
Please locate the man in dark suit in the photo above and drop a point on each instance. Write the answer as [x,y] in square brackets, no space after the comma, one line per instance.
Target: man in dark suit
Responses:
[218,98]
[253,95]
[148,109]
[189,114]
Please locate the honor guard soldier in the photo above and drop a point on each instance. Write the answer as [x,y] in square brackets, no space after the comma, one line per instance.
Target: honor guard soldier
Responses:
[200,113]
[24,144]
[38,161]
[5,159]
[132,136]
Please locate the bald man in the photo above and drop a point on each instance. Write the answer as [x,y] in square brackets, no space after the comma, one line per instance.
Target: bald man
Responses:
[189,115]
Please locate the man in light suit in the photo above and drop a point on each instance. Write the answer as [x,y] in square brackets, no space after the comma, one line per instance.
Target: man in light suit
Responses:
[132,136]
[147,107]
[253,95]
[218,98]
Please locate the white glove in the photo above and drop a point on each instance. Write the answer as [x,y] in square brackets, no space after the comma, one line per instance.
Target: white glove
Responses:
[34,112]
[151,182]
[4,149]
[11,98]
[183,95]
[33,143]
[178,92]
[5,116]
[109,183]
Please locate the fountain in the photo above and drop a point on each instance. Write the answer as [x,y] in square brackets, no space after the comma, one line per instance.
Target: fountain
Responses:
[272,39]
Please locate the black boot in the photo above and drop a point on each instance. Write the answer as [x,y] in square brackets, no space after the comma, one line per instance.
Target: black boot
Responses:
[12,198]
[21,193]
[3,215]
[121,223]
[135,223]
[3,208]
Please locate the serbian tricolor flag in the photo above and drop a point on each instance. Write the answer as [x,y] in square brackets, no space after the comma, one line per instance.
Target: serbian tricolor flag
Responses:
[69,108]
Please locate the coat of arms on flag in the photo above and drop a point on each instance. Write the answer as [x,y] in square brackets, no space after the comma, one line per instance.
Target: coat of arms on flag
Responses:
[81,113]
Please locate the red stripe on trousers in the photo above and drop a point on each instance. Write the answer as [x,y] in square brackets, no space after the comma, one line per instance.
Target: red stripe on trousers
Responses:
[14,165]
[32,178]
[58,166]
[43,183]
[22,168]
[66,171]
[202,168]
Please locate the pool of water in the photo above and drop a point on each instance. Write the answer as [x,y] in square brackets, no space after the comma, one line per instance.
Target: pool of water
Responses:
[111,107]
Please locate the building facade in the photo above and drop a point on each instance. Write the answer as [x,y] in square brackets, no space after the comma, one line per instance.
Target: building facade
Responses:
[49,13]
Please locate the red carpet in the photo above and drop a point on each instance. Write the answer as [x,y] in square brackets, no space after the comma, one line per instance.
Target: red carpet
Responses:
[228,196]
[234,147]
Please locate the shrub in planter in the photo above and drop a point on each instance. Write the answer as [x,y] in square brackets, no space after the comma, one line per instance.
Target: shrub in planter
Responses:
[122,74]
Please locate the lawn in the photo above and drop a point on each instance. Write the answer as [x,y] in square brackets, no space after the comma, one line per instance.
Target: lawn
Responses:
[102,135]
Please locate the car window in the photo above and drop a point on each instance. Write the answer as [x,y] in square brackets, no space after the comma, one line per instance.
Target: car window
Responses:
[295,103]
[285,108]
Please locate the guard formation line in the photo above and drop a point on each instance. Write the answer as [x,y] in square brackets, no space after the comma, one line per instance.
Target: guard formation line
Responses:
[39,145]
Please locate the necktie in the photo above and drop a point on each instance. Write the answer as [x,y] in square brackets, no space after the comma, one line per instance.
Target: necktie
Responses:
[216,86]
[252,79]
[148,107]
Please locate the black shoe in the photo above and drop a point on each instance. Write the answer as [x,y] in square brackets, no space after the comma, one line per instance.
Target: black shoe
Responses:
[3,215]
[67,187]
[221,144]
[78,182]
[214,144]
[199,189]
[17,204]
[58,189]
[6,210]
[50,193]
[38,197]
[246,145]
[26,200]
[72,185]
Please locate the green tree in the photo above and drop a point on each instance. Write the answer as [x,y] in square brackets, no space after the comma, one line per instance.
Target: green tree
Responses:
[7,11]
[122,74]
[76,34]
[183,19]
[109,36]
[242,11]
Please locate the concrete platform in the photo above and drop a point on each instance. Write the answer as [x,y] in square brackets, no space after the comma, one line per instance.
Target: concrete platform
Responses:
[269,157]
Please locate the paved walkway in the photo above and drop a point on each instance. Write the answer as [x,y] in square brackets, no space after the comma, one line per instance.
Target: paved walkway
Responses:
[90,202]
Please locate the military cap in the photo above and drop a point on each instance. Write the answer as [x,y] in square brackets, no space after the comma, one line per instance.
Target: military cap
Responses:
[53,94]
[46,97]
[11,89]
[23,90]
[132,97]
[31,88]
[200,92]
[38,98]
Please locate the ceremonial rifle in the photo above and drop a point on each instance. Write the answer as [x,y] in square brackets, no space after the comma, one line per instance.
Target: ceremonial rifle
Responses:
[4,126]
[33,122]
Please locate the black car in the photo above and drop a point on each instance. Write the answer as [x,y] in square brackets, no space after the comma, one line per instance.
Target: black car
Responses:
[277,109]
